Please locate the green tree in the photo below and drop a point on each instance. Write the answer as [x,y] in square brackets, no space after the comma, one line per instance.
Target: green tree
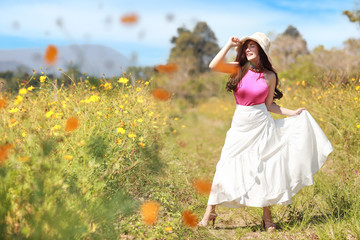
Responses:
[287,47]
[354,16]
[198,46]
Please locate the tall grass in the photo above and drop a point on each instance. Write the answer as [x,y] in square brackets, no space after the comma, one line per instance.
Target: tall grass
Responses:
[88,183]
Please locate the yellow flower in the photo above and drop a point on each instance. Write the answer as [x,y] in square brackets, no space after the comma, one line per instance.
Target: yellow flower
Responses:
[138,89]
[174,131]
[319,97]
[141,139]
[150,114]
[118,141]
[357,87]
[123,80]
[30,88]
[289,88]
[140,100]
[23,134]
[23,91]
[176,119]
[42,78]
[56,127]
[132,135]
[139,120]
[141,144]
[68,157]
[18,100]
[358,126]
[147,83]
[93,98]
[49,113]
[120,130]
[168,229]
[107,86]
[24,159]
[303,83]
[13,110]
[183,126]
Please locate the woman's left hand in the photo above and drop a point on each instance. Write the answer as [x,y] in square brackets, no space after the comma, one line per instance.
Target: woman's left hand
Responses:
[298,111]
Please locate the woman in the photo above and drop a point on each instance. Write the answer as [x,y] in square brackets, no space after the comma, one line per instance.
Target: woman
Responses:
[263,161]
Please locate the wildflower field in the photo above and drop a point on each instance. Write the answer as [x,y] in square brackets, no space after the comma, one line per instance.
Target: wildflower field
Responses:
[117,159]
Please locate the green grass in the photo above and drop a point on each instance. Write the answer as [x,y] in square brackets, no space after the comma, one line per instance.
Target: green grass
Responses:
[96,192]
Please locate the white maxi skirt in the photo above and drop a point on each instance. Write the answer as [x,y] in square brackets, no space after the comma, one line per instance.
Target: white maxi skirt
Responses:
[265,161]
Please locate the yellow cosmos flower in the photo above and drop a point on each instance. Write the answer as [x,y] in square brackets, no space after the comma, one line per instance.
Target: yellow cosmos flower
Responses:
[108,86]
[23,134]
[18,100]
[13,110]
[42,79]
[139,120]
[138,89]
[68,157]
[141,144]
[123,80]
[357,87]
[118,141]
[24,159]
[132,135]
[303,83]
[23,91]
[93,98]
[57,127]
[30,88]
[289,88]
[140,100]
[120,130]
[49,113]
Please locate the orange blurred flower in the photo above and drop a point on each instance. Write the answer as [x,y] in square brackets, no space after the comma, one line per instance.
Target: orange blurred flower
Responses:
[72,124]
[226,68]
[51,54]
[161,94]
[129,18]
[3,103]
[202,186]
[150,211]
[4,151]
[168,68]
[189,218]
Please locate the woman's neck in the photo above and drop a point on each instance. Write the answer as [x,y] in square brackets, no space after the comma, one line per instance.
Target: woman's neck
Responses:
[255,67]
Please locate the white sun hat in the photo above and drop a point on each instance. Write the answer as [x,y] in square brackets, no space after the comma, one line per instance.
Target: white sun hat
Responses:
[261,39]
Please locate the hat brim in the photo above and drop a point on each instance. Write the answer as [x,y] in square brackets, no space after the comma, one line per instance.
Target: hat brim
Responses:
[244,39]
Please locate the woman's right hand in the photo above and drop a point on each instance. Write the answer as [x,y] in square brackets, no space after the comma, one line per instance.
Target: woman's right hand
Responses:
[234,41]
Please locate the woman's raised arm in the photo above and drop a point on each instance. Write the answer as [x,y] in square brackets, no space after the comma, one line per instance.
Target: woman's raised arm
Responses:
[218,64]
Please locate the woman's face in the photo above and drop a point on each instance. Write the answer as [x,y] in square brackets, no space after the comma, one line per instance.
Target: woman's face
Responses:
[252,51]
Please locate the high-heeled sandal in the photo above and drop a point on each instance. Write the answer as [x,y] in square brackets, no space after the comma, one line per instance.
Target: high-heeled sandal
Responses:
[212,217]
[268,225]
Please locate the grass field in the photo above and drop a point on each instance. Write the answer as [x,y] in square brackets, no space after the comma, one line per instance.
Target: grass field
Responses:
[82,162]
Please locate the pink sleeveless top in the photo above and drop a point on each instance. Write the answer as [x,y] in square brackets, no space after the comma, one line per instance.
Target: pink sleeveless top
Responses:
[252,89]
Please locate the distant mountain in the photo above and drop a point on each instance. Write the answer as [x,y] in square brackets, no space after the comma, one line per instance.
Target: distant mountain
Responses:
[94,60]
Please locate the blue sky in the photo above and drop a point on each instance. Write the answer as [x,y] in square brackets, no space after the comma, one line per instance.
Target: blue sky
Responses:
[37,23]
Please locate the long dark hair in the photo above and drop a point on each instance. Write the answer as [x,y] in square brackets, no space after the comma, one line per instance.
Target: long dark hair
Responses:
[245,65]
